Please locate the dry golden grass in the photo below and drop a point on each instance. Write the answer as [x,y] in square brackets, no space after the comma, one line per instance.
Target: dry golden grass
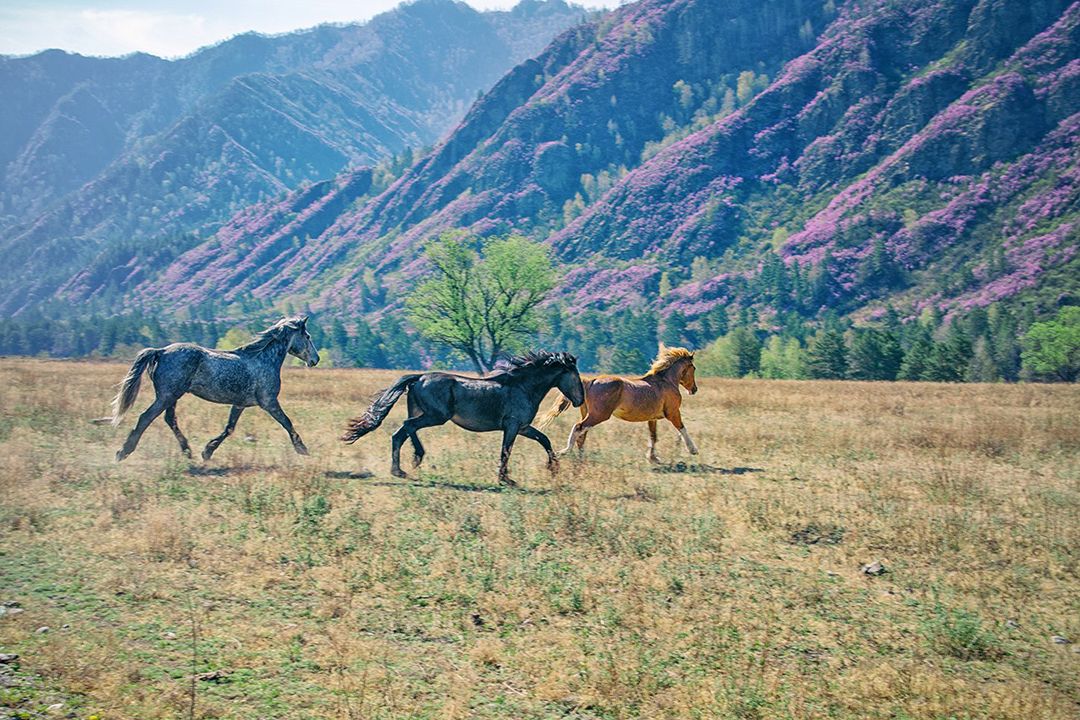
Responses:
[610,592]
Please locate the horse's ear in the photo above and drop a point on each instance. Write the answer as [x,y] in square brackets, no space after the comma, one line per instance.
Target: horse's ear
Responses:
[303,322]
[662,346]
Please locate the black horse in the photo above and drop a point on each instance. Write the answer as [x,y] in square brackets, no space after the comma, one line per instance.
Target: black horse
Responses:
[506,399]
[249,375]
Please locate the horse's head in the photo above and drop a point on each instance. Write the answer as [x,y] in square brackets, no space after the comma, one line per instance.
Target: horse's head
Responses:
[300,344]
[569,380]
[686,375]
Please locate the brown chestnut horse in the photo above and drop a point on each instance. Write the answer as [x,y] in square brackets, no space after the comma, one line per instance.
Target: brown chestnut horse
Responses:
[649,398]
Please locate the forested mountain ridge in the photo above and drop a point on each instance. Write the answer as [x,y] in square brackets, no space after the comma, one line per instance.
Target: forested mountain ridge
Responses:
[102,156]
[781,156]
[697,166]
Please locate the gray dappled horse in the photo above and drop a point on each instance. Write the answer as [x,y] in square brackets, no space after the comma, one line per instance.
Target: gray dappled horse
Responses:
[506,399]
[249,375]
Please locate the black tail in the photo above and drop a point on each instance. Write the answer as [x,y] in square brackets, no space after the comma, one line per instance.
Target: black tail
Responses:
[129,386]
[373,417]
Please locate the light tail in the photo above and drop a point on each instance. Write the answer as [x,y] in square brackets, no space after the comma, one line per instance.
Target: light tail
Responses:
[557,408]
[129,386]
[373,417]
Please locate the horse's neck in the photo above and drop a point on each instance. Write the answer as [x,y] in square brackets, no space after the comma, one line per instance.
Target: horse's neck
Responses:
[668,376]
[541,383]
[273,353]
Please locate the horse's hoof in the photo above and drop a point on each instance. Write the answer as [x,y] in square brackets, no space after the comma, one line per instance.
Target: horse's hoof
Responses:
[120,455]
[187,453]
[207,454]
[417,460]
[301,450]
[506,481]
[398,472]
[693,451]
[553,467]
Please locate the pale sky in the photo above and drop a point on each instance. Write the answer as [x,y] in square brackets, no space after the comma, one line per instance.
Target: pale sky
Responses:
[173,28]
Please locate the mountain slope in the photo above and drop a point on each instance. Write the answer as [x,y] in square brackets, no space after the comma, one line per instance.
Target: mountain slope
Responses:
[152,151]
[921,153]
[587,106]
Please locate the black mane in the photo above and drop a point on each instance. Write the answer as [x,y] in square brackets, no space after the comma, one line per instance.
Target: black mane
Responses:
[516,365]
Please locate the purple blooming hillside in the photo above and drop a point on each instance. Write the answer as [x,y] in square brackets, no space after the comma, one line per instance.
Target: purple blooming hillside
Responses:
[686,156]
[922,153]
[111,167]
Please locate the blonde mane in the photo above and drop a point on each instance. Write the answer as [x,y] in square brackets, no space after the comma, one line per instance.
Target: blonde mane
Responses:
[667,357]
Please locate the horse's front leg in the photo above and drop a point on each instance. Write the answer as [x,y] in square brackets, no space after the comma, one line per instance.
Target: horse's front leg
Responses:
[533,434]
[510,434]
[274,408]
[234,416]
[675,418]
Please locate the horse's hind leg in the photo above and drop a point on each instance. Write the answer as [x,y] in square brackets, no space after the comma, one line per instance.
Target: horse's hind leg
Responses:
[148,416]
[533,434]
[577,435]
[408,430]
[211,446]
[170,420]
[418,449]
[652,443]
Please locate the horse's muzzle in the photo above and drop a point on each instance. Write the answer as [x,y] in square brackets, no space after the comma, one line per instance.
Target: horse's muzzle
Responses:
[312,362]
[693,390]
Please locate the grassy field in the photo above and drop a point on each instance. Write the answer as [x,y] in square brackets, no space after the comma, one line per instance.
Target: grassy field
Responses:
[267,585]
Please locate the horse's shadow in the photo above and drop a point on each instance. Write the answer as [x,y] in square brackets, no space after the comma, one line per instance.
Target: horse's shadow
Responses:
[461,487]
[347,475]
[223,470]
[702,469]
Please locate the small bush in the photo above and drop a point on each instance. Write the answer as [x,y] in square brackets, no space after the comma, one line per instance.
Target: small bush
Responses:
[962,635]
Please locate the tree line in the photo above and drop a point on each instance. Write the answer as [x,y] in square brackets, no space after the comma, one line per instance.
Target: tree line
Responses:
[485,298]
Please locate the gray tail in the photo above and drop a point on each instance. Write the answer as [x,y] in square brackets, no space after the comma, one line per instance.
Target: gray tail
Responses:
[373,417]
[129,387]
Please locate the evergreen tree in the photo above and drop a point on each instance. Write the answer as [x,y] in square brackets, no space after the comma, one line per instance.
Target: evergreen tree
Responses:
[674,329]
[746,349]
[879,272]
[828,355]
[875,355]
[950,357]
[982,367]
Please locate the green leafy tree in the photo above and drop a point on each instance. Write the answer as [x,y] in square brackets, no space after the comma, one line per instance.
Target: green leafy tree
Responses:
[782,359]
[481,301]
[734,355]
[1051,349]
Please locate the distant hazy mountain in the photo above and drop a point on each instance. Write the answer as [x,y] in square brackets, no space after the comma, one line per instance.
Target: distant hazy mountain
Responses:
[778,154]
[102,159]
